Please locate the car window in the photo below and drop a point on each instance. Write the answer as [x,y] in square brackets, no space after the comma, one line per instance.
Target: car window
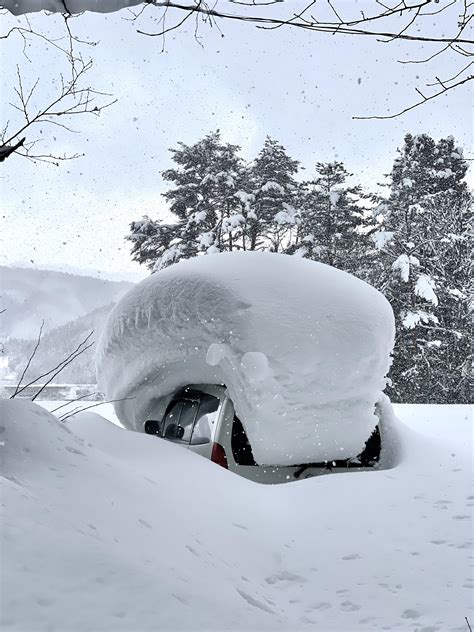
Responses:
[179,419]
[188,415]
[241,448]
[205,419]
[171,420]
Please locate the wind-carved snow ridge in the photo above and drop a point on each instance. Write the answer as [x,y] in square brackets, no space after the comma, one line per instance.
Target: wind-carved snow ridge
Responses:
[303,349]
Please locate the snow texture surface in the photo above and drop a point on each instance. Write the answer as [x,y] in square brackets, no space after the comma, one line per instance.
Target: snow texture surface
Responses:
[105,529]
[303,349]
[19,7]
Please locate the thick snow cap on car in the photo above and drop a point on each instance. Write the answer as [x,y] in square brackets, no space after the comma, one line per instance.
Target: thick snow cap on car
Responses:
[302,347]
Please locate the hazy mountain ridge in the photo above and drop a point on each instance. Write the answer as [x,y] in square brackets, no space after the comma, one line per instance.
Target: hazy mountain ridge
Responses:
[30,295]
[56,345]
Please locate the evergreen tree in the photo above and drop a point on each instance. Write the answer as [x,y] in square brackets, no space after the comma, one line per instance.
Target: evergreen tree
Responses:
[220,204]
[419,255]
[155,243]
[206,200]
[273,214]
[332,219]
[424,251]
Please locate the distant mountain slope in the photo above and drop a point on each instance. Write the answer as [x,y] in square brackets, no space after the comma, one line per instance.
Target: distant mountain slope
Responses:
[58,344]
[28,296]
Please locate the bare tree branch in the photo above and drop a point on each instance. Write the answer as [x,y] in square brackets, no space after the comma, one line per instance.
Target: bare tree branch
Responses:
[7,150]
[424,100]
[388,21]
[458,74]
[346,28]
[30,359]
[71,100]
[56,370]
[80,410]
[411,29]
[65,364]
[71,401]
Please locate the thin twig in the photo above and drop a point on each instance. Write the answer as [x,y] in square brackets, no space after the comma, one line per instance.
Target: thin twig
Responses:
[83,102]
[65,362]
[76,355]
[71,401]
[30,359]
[327,27]
[110,401]
[415,105]
[430,85]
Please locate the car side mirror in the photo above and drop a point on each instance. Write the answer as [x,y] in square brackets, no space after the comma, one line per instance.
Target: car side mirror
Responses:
[152,427]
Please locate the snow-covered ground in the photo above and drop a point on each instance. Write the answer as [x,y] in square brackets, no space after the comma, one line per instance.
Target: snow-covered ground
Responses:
[104,409]
[106,529]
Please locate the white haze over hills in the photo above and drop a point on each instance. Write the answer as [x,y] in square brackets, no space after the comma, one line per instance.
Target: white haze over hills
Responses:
[29,296]
[58,344]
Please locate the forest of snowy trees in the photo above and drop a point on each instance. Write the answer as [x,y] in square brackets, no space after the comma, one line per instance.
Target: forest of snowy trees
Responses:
[412,242]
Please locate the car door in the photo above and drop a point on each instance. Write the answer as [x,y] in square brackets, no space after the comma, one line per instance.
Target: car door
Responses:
[190,420]
[233,438]
[205,424]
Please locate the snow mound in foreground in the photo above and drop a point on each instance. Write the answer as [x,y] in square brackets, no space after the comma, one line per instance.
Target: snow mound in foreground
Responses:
[110,530]
[303,349]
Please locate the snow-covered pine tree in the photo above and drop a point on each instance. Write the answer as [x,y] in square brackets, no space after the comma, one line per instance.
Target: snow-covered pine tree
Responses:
[207,200]
[273,215]
[332,218]
[156,243]
[424,250]
[450,349]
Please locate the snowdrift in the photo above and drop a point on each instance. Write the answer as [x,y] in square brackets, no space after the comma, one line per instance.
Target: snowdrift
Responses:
[104,529]
[303,349]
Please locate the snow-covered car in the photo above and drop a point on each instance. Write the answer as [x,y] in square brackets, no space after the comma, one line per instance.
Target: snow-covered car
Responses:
[202,418]
[302,349]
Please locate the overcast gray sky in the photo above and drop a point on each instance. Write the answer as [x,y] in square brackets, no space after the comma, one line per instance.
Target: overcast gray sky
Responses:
[299,87]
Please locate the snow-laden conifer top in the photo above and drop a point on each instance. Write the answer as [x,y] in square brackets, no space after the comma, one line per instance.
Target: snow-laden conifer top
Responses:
[302,347]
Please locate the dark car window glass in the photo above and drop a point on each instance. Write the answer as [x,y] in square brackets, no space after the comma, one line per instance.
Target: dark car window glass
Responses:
[206,417]
[241,448]
[188,415]
[171,419]
[180,414]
